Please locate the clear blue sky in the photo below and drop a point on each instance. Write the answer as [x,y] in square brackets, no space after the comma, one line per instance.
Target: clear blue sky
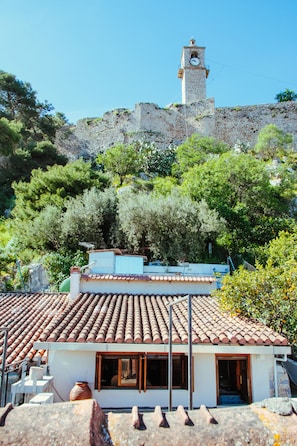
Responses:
[87,57]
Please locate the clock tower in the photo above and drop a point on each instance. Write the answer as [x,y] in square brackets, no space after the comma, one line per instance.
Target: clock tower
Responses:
[193,73]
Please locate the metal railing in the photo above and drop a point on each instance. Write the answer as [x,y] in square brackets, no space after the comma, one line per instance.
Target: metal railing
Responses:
[9,373]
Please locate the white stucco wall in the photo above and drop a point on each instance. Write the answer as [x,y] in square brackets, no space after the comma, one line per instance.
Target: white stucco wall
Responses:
[205,380]
[70,366]
[262,372]
[67,367]
[139,287]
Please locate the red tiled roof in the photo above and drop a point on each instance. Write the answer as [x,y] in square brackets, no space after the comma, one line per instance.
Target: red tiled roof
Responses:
[119,318]
[151,277]
[26,315]
[124,318]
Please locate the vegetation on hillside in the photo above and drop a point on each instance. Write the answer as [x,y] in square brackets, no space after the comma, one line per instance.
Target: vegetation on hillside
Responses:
[202,194]
[27,134]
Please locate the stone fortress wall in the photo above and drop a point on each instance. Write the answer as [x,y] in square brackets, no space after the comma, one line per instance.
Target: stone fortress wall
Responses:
[173,124]
[244,123]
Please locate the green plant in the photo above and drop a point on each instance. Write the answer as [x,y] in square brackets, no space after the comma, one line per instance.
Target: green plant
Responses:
[287,95]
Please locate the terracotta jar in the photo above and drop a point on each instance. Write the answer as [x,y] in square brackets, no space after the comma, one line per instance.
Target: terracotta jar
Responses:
[80,391]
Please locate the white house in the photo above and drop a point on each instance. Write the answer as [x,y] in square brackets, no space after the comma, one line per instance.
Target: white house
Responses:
[114,334]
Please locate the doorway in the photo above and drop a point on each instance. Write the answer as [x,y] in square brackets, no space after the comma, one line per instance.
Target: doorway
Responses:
[233,380]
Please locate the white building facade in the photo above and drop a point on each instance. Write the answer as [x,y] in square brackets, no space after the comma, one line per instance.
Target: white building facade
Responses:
[114,335]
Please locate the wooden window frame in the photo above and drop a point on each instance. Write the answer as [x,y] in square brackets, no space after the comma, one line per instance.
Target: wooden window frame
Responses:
[141,370]
[118,357]
[121,383]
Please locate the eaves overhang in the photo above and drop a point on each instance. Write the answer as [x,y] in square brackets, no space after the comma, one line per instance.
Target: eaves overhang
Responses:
[164,348]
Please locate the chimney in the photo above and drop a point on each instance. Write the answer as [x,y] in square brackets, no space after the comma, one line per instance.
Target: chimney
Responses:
[75,274]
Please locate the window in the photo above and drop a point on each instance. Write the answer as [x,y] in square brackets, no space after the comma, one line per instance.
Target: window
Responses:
[139,371]
[116,371]
[157,371]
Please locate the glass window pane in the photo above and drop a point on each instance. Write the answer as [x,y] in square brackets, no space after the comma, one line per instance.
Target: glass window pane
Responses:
[128,375]
[157,371]
[109,373]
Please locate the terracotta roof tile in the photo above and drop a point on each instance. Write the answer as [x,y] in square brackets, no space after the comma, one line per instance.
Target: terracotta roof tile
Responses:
[119,318]
[27,316]
[124,318]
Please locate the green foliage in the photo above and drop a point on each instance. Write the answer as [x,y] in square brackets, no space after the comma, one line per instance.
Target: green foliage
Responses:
[91,217]
[42,232]
[238,187]
[49,124]
[54,187]
[121,160]
[20,165]
[58,264]
[7,259]
[174,228]
[137,159]
[154,161]
[269,293]
[281,251]
[164,185]
[197,150]
[13,275]
[273,143]
[287,95]
[23,161]
[9,137]
[27,133]
[17,99]
[5,232]
[18,102]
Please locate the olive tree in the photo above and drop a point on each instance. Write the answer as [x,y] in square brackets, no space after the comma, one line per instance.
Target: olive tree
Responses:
[91,217]
[172,228]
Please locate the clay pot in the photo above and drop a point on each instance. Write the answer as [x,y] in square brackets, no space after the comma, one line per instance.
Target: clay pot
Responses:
[80,391]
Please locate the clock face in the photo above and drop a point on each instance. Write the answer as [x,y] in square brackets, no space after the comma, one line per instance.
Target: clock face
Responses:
[194,61]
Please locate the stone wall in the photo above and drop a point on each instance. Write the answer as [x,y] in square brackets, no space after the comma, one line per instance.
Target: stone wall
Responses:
[244,123]
[172,125]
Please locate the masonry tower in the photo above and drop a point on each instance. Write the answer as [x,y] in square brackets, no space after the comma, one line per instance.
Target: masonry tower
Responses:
[193,73]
